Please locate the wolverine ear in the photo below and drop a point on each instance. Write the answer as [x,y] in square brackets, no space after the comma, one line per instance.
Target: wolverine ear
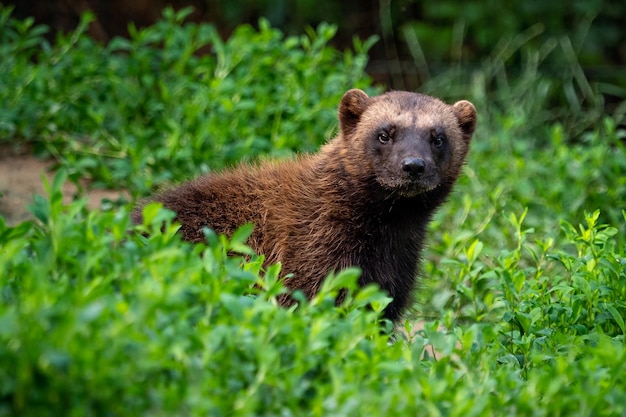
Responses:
[353,104]
[466,113]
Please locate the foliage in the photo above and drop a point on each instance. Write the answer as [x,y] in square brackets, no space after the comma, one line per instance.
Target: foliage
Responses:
[173,99]
[575,20]
[524,278]
[556,69]
[99,321]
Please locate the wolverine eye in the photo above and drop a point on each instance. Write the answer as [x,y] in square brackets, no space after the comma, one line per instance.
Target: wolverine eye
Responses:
[383,137]
[439,140]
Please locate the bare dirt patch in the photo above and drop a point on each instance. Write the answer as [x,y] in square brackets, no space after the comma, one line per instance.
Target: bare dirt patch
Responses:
[21,178]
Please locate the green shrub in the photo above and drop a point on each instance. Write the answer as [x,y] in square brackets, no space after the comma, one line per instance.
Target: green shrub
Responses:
[173,100]
[97,320]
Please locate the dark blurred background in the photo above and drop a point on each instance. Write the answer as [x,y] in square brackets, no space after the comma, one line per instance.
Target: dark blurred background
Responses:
[418,39]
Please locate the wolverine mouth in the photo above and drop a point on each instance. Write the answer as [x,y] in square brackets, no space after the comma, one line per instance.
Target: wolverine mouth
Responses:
[416,189]
[406,187]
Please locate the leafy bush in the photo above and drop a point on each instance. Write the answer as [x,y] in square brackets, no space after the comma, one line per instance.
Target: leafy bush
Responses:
[173,99]
[99,321]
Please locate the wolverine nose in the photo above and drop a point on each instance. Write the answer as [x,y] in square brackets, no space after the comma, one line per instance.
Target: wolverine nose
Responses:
[413,166]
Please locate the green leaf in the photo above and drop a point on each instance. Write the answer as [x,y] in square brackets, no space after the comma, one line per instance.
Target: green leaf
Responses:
[346,278]
[40,208]
[237,242]
[8,234]
[474,251]
[616,316]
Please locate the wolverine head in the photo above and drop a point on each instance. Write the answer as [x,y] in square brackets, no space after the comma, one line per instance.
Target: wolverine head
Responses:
[413,142]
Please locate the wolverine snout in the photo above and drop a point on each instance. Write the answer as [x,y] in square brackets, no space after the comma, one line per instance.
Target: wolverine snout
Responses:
[413,166]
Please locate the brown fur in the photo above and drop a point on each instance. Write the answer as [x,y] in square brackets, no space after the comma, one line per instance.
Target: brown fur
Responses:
[354,203]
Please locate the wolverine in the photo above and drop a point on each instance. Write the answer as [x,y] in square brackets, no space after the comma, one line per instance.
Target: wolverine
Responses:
[365,199]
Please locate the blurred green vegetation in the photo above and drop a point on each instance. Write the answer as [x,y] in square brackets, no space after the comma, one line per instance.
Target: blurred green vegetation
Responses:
[422,39]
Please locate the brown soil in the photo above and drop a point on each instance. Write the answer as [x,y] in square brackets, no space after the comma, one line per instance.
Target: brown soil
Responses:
[21,178]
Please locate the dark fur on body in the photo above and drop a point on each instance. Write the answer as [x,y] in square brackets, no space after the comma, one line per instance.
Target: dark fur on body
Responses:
[365,199]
